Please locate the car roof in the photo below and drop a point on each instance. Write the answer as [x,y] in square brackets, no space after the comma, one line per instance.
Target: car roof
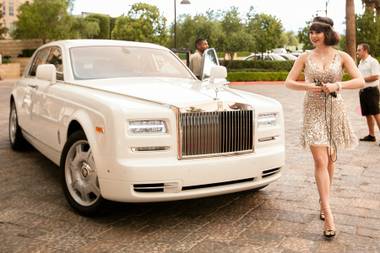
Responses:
[86,43]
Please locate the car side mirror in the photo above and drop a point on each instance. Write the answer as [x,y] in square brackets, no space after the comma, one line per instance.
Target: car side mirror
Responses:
[47,72]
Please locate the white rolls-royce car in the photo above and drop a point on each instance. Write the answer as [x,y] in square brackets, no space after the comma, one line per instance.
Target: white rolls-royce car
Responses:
[129,122]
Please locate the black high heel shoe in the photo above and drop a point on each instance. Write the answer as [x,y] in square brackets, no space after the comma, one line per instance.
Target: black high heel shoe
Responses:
[329,230]
[329,233]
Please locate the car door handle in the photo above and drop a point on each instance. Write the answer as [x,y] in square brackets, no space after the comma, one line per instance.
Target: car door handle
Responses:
[33,86]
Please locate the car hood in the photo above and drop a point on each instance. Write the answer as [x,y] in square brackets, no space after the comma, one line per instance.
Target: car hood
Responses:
[173,91]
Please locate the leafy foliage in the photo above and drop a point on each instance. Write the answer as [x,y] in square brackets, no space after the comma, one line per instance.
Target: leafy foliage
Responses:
[265,76]
[266,30]
[104,24]
[368,30]
[200,26]
[257,76]
[3,29]
[303,36]
[271,65]
[143,23]
[234,37]
[84,29]
[43,19]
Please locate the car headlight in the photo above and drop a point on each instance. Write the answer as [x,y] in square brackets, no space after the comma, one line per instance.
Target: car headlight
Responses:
[267,120]
[147,127]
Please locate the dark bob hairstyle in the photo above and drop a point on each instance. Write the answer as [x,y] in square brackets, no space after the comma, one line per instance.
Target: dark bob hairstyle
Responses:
[325,25]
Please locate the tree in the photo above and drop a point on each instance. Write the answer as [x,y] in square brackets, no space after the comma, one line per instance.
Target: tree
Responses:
[266,30]
[368,30]
[83,28]
[303,37]
[350,28]
[289,39]
[143,23]
[234,37]
[200,26]
[3,30]
[104,23]
[43,19]
[372,5]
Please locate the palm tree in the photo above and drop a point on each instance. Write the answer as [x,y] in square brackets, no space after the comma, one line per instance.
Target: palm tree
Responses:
[372,4]
[350,29]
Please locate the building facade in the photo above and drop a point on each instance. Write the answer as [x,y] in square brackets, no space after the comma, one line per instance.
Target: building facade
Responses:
[10,11]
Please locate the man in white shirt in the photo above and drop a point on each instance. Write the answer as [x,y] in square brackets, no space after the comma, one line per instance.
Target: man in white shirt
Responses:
[369,95]
[196,59]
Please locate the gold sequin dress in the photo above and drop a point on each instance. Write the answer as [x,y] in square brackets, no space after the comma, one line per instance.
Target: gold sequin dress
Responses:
[325,122]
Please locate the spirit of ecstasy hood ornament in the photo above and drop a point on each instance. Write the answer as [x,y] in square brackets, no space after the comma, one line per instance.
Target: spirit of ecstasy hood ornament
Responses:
[216,85]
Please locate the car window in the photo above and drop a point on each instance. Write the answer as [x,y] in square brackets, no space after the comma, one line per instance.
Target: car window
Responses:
[40,58]
[55,58]
[100,62]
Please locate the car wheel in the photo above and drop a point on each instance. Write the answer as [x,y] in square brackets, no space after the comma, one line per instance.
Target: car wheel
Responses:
[80,179]
[16,138]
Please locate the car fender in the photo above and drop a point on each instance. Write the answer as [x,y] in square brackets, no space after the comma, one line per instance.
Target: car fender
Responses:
[89,121]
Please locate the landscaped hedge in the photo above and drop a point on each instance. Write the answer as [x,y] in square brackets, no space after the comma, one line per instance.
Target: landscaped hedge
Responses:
[256,76]
[27,52]
[6,59]
[271,65]
[264,76]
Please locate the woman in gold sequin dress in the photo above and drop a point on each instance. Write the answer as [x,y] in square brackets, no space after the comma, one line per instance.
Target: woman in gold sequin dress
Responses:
[325,126]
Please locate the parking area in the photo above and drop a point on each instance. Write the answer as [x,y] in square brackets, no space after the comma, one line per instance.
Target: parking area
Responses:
[284,217]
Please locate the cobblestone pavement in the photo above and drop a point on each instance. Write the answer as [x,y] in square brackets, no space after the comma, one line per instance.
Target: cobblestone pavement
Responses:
[34,216]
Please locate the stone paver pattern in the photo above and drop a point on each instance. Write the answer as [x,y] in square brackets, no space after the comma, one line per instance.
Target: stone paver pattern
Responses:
[34,216]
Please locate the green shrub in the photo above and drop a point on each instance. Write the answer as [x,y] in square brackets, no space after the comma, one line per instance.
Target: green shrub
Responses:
[27,52]
[6,59]
[243,54]
[272,65]
[220,54]
[104,22]
[182,56]
[252,70]
[256,76]
[235,76]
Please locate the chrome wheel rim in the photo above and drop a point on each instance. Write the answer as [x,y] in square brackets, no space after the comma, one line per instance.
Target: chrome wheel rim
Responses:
[80,174]
[13,125]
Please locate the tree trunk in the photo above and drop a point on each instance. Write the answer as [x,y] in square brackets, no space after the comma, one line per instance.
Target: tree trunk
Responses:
[350,29]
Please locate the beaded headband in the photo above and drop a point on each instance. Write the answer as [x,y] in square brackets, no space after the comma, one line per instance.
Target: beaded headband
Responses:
[321,23]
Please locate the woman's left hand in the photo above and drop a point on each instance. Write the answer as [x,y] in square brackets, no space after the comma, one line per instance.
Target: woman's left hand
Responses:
[329,87]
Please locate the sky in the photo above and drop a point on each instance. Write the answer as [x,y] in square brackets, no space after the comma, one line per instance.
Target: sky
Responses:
[292,13]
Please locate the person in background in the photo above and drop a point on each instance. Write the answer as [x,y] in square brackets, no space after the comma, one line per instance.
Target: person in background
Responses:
[326,127]
[369,95]
[196,59]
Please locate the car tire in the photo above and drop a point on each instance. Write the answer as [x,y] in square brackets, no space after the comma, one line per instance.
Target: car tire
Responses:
[16,138]
[79,176]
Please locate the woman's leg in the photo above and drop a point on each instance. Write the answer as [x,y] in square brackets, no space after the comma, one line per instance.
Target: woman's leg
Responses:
[331,166]
[322,177]
[321,174]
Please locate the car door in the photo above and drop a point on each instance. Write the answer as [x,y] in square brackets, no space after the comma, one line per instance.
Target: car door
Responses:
[209,59]
[30,85]
[48,103]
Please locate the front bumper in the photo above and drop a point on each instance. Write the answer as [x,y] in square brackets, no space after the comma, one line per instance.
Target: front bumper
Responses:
[173,179]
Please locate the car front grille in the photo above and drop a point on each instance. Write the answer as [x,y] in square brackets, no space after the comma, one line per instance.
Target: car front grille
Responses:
[215,133]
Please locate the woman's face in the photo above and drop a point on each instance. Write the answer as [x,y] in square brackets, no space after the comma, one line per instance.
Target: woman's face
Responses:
[317,38]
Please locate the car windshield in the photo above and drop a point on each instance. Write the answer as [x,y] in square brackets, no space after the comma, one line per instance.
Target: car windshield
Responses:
[101,62]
